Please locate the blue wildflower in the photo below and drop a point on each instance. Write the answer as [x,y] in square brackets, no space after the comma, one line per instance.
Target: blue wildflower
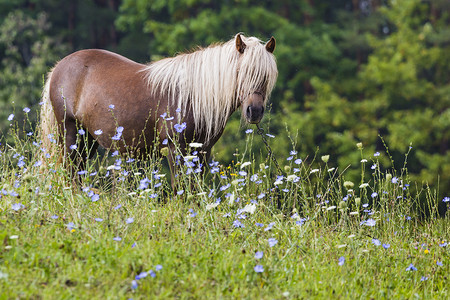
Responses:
[134,284]
[259,254]
[10,117]
[386,246]
[117,238]
[272,242]
[446,199]
[129,220]
[98,132]
[341,261]
[26,110]
[17,206]
[180,127]
[411,268]
[238,224]
[249,131]
[258,269]
[376,242]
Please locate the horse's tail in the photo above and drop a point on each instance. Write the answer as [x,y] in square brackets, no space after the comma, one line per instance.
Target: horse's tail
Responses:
[48,130]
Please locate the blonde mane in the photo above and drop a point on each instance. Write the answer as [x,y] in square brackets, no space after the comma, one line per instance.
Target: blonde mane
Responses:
[213,80]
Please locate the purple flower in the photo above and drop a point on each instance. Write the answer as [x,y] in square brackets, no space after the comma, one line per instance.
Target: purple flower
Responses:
[98,219]
[376,242]
[272,242]
[129,220]
[376,154]
[158,267]
[386,246]
[259,254]
[98,132]
[440,264]
[180,127]
[10,117]
[446,199]
[411,268]
[269,227]
[117,238]
[134,284]
[111,106]
[70,225]
[17,206]
[249,131]
[341,261]
[258,269]
[81,131]
[238,224]
[424,278]
[26,110]
[374,194]
[298,161]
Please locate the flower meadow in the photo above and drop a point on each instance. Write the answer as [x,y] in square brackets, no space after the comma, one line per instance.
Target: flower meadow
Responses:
[238,230]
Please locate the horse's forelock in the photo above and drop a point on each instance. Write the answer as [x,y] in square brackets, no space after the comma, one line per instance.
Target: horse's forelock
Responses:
[208,80]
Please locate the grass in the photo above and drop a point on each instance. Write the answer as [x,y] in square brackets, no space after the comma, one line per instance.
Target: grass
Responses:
[126,234]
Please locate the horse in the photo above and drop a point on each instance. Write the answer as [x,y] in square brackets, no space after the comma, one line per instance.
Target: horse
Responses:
[131,107]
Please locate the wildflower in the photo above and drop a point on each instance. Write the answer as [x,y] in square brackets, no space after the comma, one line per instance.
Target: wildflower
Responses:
[411,268]
[394,180]
[259,269]
[195,145]
[424,278]
[250,208]
[10,117]
[443,244]
[272,242]
[180,127]
[368,222]
[374,166]
[440,264]
[158,267]
[134,284]
[54,217]
[238,224]
[386,246]
[376,154]
[359,145]
[269,227]
[298,161]
[70,226]
[129,220]
[98,132]
[363,160]
[193,214]
[259,224]
[73,147]
[245,164]
[348,184]
[17,206]
[117,238]
[81,131]
[325,158]
[111,106]
[376,242]
[374,195]
[249,131]
[314,171]
[262,195]
[259,254]
[141,275]
[341,261]
[446,199]
[38,163]
[98,219]
[117,207]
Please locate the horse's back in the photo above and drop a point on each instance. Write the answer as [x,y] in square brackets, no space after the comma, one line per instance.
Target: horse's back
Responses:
[86,84]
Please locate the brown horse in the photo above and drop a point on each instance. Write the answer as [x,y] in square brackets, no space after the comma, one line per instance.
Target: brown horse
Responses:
[131,107]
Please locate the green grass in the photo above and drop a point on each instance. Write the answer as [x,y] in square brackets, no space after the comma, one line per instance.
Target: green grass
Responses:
[52,246]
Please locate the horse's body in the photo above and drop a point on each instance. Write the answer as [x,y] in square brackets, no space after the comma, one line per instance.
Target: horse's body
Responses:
[136,106]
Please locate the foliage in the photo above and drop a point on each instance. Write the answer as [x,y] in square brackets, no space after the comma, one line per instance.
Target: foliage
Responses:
[241,231]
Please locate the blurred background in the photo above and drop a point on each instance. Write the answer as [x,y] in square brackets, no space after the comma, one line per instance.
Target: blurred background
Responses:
[350,71]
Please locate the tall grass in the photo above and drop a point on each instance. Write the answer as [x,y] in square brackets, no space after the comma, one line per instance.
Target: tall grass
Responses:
[239,230]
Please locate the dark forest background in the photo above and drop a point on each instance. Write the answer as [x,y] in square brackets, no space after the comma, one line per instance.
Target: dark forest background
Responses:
[350,71]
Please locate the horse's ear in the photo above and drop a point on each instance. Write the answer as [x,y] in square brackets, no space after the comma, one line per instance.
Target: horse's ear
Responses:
[270,45]
[240,45]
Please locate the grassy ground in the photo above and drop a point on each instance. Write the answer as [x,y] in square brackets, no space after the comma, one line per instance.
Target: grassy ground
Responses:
[126,234]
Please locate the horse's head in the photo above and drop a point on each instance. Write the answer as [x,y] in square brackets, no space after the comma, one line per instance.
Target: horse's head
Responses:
[256,76]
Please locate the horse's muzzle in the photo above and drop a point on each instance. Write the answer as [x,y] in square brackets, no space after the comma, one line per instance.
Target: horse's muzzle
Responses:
[254,113]
[254,108]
